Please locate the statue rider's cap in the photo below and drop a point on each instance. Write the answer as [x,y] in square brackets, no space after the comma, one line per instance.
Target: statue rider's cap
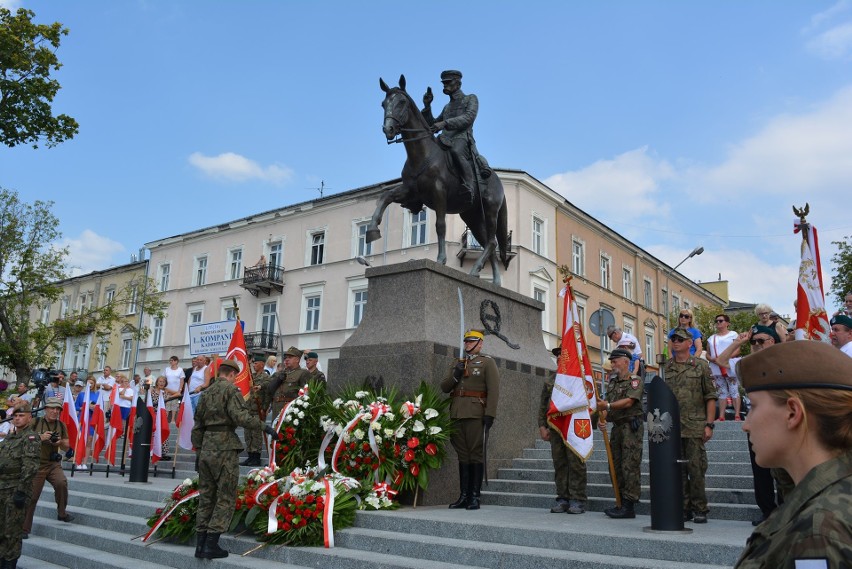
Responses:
[450,74]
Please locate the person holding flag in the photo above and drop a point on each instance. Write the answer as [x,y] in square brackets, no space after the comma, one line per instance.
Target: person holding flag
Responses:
[569,471]
[258,402]
[474,387]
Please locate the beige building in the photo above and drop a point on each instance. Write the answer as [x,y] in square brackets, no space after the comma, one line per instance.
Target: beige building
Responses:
[294,274]
[91,352]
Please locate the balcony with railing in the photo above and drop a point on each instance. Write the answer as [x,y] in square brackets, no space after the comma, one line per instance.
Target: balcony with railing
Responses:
[264,279]
[262,342]
[470,246]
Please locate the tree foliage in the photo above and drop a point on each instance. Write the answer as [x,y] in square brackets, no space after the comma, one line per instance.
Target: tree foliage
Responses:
[27,57]
[31,271]
[841,278]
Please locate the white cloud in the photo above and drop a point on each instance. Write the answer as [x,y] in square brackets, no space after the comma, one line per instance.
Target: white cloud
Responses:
[11,5]
[818,19]
[90,252]
[232,167]
[630,180]
[834,42]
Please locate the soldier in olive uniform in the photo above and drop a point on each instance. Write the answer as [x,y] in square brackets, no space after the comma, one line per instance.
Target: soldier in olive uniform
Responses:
[19,454]
[692,383]
[258,402]
[311,361]
[568,470]
[623,408]
[474,386]
[219,413]
[284,385]
[801,421]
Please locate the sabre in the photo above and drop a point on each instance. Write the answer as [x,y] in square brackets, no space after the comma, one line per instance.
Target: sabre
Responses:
[485,431]
[461,325]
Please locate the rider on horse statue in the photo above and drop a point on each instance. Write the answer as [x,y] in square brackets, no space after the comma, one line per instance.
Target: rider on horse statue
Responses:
[456,125]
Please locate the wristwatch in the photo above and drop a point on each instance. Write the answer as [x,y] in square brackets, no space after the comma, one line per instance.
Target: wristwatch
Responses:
[711,425]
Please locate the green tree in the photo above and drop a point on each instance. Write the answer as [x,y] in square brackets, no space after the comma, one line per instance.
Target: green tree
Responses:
[841,278]
[27,57]
[31,270]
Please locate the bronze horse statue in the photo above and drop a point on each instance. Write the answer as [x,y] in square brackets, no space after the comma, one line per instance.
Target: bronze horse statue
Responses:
[428,179]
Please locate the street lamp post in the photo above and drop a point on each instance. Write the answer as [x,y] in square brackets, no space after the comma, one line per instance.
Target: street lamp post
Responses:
[697,251]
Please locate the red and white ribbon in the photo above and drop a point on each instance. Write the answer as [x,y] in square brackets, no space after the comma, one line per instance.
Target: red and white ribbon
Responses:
[328,514]
[165,516]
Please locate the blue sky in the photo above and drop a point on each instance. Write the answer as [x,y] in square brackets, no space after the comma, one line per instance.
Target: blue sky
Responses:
[676,123]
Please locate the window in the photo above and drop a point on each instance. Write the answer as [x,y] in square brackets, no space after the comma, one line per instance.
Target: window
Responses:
[200,271]
[363,248]
[606,275]
[629,326]
[63,306]
[102,354]
[229,313]
[132,302]
[649,353]
[358,306]
[607,344]
[317,247]
[196,315]
[649,295]
[85,301]
[276,256]
[268,317]
[675,303]
[581,313]
[578,257]
[312,313]
[157,332]
[126,351]
[235,264]
[627,283]
[165,270]
[685,303]
[664,297]
[538,236]
[541,296]
[45,313]
[109,296]
[79,351]
[417,230]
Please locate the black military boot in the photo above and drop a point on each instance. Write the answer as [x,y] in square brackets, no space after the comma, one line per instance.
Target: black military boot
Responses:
[464,486]
[247,461]
[475,484]
[253,459]
[200,538]
[624,512]
[211,548]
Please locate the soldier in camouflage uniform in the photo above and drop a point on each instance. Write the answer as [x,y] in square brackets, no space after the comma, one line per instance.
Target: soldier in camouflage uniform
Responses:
[692,383]
[568,470]
[311,361]
[258,403]
[284,385]
[474,386]
[19,458]
[801,421]
[623,408]
[219,413]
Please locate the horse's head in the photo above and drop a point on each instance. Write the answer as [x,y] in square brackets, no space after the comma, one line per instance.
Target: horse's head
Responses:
[397,106]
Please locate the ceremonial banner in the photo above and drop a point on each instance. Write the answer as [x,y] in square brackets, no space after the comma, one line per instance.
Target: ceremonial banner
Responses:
[237,351]
[156,438]
[574,389]
[97,421]
[811,318]
[83,433]
[116,427]
[69,416]
[185,420]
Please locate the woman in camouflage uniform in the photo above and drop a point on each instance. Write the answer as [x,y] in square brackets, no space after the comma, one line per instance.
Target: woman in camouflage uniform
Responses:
[19,460]
[801,420]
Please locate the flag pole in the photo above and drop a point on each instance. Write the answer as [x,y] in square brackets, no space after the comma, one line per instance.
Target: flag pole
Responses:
[577,338]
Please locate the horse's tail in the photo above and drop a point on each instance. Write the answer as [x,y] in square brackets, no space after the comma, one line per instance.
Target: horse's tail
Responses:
[503,234]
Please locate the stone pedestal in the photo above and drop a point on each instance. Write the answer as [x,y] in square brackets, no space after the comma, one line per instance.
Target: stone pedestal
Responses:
[410,333]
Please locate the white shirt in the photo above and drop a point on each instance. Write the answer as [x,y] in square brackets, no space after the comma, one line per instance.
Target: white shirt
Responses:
[5,428]
[628,338]
[173,378]
[716,344]
[847,349]
[196,380]
[106,381]
[125,403]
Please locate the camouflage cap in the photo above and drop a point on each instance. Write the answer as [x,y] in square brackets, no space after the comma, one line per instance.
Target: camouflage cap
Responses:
[24,407]
[53,402]
[293,351]
[804,364]
[681,333]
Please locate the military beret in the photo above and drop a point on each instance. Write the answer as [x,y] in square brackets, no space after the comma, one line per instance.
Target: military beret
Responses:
[24,407]
[53,402]
[474,335]
[312,355]
[768,330]
[803,364]
[681,333]
[293,351]
[619,353]
[843,320]
[233,364]
[258,358]
[450,74]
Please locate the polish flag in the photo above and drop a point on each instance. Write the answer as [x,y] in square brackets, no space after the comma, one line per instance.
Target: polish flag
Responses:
[574,390]
[69,415]
[116,428]
[185,420]
[83,433]
[811,318]
[156,439]
[98,420]
[237,351]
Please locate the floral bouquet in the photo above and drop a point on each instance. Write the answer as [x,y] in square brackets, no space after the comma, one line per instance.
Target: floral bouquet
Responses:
[380,497]
[246,491]
[300,427]
[306,509]
[422,437]
[176,519]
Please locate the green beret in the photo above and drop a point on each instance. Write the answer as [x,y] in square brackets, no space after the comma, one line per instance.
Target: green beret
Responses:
[310,355]
[258,358]
[768,330]
[843,320]
[803,364]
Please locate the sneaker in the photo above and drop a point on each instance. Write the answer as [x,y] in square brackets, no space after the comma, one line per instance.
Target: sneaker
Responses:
[25,535]
[687,515]
[700,518]
[560,506]
[68,518]
[82,467]
[576,507]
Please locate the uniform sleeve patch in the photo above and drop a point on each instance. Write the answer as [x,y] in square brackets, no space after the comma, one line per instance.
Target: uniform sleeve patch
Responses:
[634,384]
[810,564]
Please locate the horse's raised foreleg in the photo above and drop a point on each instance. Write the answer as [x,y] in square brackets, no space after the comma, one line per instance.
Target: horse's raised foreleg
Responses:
[487,253]
[387,198]
[495,269]
[441,230]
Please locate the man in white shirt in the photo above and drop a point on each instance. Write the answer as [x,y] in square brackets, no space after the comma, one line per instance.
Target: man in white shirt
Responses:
[841,333]
[106,382]
[726,381]
[628,341]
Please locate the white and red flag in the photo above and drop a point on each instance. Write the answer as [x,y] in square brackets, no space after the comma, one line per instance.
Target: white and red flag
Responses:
[237,351]
[185,420]
[811,318]
[83,433]
[98,420]
[156,440]
[574,390]
[116,427]
[69,415]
